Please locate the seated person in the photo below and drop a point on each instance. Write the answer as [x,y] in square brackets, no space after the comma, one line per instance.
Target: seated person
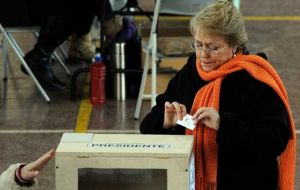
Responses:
[62,21]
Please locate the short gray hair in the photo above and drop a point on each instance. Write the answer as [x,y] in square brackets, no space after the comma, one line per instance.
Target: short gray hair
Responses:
[222,18]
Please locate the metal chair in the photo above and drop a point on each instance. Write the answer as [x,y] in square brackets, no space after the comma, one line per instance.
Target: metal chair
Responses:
[151,52]
[8,38]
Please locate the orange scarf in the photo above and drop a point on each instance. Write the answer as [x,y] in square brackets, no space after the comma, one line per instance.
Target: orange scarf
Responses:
[206,148]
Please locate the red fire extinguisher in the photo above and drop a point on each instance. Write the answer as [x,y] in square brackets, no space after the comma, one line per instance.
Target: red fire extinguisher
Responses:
[97,81]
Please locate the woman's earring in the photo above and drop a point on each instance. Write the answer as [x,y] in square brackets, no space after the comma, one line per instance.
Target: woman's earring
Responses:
[234,53]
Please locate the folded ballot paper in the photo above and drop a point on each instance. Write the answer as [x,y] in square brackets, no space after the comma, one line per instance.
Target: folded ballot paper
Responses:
[187,121]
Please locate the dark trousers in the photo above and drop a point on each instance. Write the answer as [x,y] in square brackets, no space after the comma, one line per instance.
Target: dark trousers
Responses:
[66,19]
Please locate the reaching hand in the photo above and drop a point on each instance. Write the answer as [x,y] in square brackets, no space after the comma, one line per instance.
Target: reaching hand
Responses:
[31,170]
[209,116]
[173,112]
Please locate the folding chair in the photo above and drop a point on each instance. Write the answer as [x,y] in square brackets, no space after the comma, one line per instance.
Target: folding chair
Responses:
[151,52]
[8,38]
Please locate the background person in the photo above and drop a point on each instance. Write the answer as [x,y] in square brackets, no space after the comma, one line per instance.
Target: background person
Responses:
[62,21]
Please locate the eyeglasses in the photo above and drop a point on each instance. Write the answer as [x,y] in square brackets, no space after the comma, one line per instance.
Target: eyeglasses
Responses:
[200,48]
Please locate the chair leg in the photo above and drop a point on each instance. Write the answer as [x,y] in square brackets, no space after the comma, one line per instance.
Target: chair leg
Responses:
[62,64]
[153,70]
[151,49]
[63,52]
[5,58]
[57,57]
[142,87]
[20,55]
[15,45]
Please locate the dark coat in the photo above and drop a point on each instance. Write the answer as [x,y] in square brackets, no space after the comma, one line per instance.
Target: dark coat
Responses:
[253,131]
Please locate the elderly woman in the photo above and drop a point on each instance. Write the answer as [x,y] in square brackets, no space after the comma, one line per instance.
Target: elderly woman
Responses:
[244,135]
[23,177]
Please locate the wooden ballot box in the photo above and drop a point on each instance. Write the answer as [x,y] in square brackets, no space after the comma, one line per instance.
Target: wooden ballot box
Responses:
[173,153]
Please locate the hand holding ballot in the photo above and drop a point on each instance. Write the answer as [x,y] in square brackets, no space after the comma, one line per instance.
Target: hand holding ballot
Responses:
[175,113]
[209,116]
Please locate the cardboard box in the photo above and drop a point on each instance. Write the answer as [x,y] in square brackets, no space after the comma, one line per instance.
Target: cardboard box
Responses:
[173,153]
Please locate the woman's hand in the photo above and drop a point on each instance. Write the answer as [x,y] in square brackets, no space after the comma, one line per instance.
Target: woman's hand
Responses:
[31,170]
[208,116]
[173,112]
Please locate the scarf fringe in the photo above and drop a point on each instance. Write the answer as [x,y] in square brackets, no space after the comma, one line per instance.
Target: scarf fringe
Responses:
[201,185]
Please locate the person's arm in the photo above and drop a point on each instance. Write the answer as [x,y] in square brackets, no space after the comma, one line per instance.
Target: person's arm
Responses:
[23,177]
[153,122]
[181,89]
[7,179]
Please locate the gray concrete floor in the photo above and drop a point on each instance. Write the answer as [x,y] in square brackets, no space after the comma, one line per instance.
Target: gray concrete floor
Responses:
[29,126]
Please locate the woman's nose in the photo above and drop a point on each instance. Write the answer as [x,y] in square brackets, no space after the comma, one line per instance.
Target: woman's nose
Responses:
[204,53]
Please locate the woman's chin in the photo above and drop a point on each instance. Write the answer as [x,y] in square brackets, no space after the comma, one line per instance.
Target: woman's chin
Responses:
[207,68]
